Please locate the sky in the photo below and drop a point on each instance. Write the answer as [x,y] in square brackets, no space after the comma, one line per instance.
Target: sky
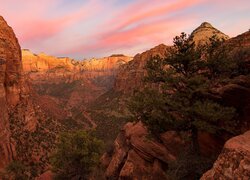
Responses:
[95,28]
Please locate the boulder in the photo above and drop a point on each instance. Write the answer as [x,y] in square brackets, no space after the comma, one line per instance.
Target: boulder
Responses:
[234,160]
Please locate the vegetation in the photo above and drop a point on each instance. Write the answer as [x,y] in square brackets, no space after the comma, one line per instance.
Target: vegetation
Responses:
[16,171]
[76,155]
[182,98]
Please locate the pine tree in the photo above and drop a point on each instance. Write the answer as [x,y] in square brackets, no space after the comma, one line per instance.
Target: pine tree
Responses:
[183,100]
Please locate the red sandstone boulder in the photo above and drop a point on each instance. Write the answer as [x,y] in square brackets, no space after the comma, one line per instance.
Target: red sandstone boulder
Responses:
[234,161]
[137,155]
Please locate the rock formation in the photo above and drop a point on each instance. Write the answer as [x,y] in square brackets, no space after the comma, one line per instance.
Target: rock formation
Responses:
[23,125]
[205,31]
[137,156]
[10,87]
[234,160]
[44,63]
[130,76]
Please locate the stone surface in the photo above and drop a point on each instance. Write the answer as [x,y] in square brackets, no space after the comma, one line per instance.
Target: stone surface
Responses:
[234,161]
[137,156]
[205,31]
[10,87]
[130,76]
[26,133]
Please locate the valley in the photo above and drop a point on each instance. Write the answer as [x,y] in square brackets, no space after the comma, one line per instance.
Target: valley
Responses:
[43,96]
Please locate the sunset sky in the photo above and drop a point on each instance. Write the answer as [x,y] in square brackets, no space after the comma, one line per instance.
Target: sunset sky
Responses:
[95,28]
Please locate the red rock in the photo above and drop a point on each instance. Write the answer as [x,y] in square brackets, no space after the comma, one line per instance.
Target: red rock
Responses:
[118,157]
[136,156]
[48,175]
[234,160]
[130,76]
[10,86]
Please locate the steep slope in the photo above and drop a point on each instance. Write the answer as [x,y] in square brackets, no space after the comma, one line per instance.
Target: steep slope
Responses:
[10,87]
[27,134]
[130,76]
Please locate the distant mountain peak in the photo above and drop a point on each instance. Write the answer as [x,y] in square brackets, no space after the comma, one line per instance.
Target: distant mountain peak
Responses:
[205,31]
[206,25]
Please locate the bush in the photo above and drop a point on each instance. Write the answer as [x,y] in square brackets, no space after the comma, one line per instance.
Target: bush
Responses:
[76,155]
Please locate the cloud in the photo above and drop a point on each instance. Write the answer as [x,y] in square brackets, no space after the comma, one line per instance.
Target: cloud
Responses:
[96,27]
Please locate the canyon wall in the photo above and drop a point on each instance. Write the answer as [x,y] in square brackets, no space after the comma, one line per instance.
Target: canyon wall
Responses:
[23,124]
[10,87]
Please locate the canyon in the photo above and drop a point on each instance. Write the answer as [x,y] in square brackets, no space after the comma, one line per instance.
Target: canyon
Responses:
[43,95]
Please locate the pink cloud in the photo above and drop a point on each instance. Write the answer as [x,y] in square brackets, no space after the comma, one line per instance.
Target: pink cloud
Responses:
[31,24]
[135,13]
[111,35]
[154,33]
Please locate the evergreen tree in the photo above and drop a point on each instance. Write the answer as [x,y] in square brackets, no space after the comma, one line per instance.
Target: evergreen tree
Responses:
[183,100]
[76,155]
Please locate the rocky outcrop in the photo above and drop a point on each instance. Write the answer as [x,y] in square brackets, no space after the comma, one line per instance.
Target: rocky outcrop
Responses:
[42,62]
[10,87]
[137,156]
[205,31]
[130,76]
[234,160]
[45,63]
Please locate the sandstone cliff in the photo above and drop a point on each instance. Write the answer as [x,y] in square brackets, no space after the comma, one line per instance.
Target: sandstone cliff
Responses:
[234,160]
[70,82]
[44,63]
[130,76]
[136,156]
[24,127]
[10,87]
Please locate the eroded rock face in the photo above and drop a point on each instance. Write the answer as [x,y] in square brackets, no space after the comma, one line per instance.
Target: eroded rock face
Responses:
[33,63]
[10,86]
[137,156]
[205,31]
[234,161]
[26,133]
[130,76]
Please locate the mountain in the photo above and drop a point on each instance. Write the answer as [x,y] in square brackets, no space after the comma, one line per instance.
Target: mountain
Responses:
[130,76]
[205,31]
[134,71]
